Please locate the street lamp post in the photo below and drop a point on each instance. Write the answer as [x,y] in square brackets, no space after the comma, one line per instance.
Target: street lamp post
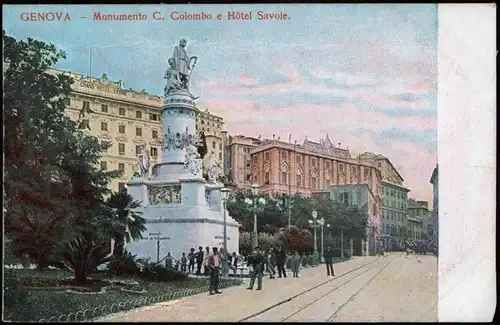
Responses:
[321,223]
[254,202]
[224,195]
[313,222]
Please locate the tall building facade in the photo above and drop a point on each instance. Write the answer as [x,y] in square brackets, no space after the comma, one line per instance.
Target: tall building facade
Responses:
[212,126]
[394,220]
[419,211]
[238,160]
[286,168]
[123,117]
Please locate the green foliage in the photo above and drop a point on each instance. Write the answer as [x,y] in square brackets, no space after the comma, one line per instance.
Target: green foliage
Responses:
[14,293]
[120,214]
[54,188]
[266,242]
[297,240]
[159,273]
[124,265]
[82,256]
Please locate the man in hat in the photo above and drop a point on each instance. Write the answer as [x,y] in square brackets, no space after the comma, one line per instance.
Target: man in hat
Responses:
[258,262]
[329,262]
[214,264]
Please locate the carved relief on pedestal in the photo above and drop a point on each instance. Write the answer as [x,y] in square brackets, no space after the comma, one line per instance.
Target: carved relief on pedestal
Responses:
[177,140]
[164,194]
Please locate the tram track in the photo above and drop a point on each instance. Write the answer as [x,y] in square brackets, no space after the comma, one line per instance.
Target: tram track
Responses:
[320,285]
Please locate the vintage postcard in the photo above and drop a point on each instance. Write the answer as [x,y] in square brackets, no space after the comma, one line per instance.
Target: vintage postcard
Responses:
[262,163]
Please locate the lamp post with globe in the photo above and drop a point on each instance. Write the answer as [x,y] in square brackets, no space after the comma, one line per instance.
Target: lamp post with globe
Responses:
[314,224]
[254,202]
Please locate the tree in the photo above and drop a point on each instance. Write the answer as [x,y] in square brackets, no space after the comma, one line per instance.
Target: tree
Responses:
[266,242]
[296,239]
[53,187]
[121,221]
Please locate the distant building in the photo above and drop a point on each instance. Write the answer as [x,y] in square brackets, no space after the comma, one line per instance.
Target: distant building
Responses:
[126,118]
[238,160]
[433,223]
[394,202]
[212,126]
[359,195]
[287,168]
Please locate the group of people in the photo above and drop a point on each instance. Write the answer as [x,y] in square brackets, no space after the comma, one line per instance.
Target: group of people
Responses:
[260,262]
[213,262]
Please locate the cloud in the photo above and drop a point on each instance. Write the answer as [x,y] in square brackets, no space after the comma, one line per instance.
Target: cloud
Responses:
[245,79]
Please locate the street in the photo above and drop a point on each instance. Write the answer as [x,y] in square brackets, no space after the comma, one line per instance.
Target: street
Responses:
[366,289]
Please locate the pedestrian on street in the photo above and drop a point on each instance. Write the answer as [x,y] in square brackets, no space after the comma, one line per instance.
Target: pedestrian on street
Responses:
[296,259]
[184,263]
[205,261]
[280,262]
[199,260]
[213,267]
[169,262]
[258,262]
[329,262]
[269,267]
[192,259]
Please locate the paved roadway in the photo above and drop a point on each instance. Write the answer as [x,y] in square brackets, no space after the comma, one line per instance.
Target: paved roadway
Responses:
[393,288]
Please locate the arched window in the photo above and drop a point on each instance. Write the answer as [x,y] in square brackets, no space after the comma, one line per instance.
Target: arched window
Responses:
[284,174]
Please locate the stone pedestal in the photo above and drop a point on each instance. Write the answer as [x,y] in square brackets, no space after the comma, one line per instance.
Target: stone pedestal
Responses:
[181,210]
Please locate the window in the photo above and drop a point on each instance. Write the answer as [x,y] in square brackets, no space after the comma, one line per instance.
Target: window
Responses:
[367,173]
[344,198]
[86,104]
[208,130]
[220,146]
[138,132]
[299,159]
[138,150]
[104,108]
[379,165]
[327,183]
[341,168]
[313,183]
[121,187]
[213,144]
[154,152]
[299,181]
[104,165]
[354,170]
[104,126]
[220,155]
[284,155]
[103,145]
[327,164]
[121,129]
[202,122]
[67,101]
[154,134]
[85,124]
[284,178]
[255,159]
[266,155]
[121,148]
[153,117]
[121,111]
[266,178]
[138,114]
[313,162]
[374,207]
[121,167]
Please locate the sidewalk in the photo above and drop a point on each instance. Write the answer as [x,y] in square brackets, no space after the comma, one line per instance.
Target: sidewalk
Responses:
[236,302]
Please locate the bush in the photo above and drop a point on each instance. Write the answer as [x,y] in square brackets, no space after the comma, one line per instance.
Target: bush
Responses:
[159,273]
[14,293]
[124,265]
[295,239]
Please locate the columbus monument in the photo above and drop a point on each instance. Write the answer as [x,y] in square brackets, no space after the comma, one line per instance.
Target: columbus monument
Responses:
[182,210]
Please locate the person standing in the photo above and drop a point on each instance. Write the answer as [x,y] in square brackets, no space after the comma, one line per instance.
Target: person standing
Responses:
[280,262]
[269,267]
[199,260]
[192,259]
[329,262]
[169,262]
[296,259]
[258,261]
[205,261]
[184,263]
[213,267]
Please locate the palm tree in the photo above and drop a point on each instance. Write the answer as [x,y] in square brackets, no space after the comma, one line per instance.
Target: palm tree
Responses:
[122,222]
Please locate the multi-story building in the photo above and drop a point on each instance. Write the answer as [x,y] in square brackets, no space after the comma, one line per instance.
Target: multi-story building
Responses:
[285,167]
[435,190]
[415,229]
[237,159]
[434,221]
[211,125]
[420,210]
[394,202]
[123,117]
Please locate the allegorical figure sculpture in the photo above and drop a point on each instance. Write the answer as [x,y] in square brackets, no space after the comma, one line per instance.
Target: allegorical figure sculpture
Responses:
[173,77]
[214,169]
[144,162]
[193,163]
[183,63]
